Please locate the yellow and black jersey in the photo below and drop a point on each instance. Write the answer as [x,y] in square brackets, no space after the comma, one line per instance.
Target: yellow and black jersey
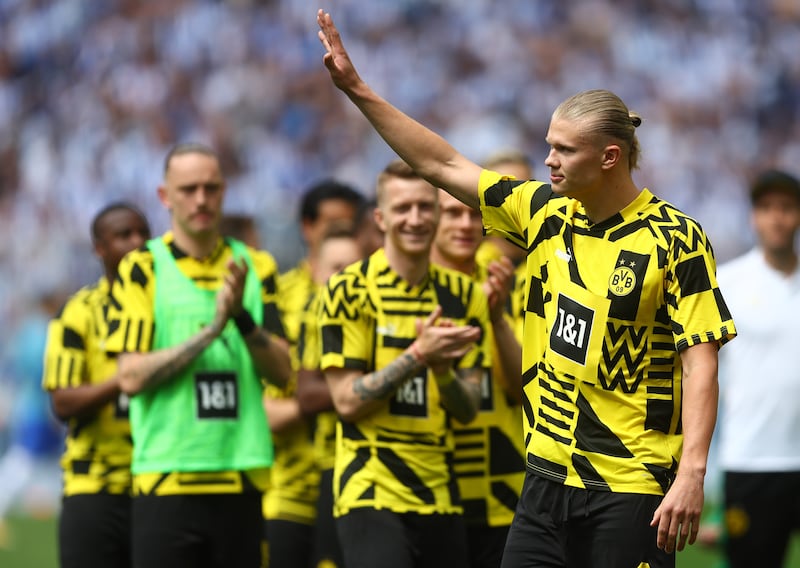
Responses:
[400,457]
[295,286]
[489,451]
[309,350]
[131,329]
[609,308]
[294,477]
[97,455]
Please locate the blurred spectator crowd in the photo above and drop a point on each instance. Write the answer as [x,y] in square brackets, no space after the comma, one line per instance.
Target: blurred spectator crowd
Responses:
[92,94]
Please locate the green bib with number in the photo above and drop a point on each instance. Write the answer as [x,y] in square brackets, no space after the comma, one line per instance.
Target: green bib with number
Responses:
[209,417]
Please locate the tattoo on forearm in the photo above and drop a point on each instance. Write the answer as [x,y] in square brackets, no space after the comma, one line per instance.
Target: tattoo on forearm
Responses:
[382,383]
[461,398]
[180,356]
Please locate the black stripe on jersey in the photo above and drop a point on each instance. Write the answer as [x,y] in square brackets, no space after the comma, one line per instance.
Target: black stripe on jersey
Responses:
[351,431]
[537,297]
[407,437]
[332,338]
[417,313]
[593,436]
[406,475]
[138,276]
[72,339]
[588,474]
[551,227]
[552,470]
[693,276]
[724,312]
[627,229]
[452,305]
[496,195]
[574,274]
[662,475]
[505,494]
[552,420]
[397,342]
[659,414]
[504,457]
[81,467]
[357,464]
[272,320]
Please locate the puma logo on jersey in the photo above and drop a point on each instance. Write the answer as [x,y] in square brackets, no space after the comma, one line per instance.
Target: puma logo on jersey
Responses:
[566,256]
[385,330]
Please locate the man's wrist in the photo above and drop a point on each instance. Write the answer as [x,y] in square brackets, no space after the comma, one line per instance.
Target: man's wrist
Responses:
[444,377]
[244,323]
[413,349]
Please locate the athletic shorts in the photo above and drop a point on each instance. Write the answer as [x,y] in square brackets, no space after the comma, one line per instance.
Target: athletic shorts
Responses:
[201,531]
[761,511]
[289,544]
[327,553]
[566,527]
[94,531]
[486,545]
[380,538]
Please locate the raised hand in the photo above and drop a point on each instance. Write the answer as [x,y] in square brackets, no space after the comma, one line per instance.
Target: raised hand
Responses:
[336,59]
[229,297]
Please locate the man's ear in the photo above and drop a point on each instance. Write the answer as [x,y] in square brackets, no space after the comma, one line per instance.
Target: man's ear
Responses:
[379,219]
[611,156]
[163,197]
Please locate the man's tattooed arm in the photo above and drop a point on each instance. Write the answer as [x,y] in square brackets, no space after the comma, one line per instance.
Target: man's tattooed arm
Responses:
[356,395]
[461,393]
[142,371]
[382,383]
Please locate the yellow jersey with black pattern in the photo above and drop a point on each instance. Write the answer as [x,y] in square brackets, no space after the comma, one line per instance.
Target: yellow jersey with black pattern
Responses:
[309,350]
[131,329]
[489,459]
[609,308]
[399,457]
[294,288]
[97,452]
[294,476]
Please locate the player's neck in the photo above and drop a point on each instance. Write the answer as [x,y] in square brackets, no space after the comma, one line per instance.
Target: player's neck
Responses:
[609,200]
[782,260]
[196,246]
[411,268]
[466,266]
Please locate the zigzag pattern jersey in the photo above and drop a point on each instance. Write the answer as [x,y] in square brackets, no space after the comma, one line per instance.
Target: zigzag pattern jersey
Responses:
[97,454]
[400,457]
[609,308]
[489,455]
[294,288]
[294,475]
[309,351]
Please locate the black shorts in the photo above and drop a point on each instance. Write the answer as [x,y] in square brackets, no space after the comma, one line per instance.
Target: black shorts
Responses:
[485,545]
[202,531]
[95,531]
[370,538]
[566,527]
[761,511]
[326,543]
[289,544]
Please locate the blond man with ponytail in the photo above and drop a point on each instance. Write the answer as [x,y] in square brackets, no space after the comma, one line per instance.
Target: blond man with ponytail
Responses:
[623,323]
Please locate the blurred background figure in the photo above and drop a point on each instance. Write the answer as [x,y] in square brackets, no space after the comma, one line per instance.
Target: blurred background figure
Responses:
[29,470]
[81,379]
[325,203]
[758,445]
